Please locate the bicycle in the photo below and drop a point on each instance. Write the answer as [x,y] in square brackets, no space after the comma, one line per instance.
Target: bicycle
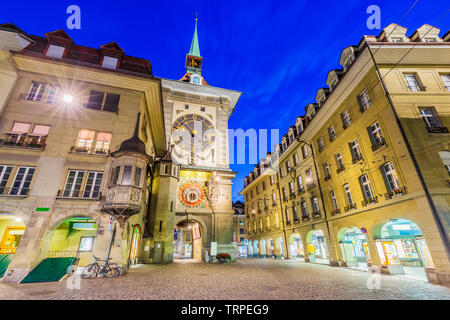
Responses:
[108,270]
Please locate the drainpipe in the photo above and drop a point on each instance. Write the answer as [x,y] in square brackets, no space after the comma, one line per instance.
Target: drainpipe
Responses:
[434,212]
[282,215]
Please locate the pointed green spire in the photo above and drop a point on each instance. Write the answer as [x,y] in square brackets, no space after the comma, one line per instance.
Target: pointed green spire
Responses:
[195,49]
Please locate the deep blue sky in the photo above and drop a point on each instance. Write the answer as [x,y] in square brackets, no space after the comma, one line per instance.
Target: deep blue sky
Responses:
[277,53]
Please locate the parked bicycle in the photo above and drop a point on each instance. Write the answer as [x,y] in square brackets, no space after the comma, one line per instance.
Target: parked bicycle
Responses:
[108,270]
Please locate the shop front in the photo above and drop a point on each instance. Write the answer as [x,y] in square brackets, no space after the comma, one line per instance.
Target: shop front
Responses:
[402,248]
[270,248]
[256,248]
[296,247]
[263,249]
[250,249]
[317,247]
[354,248]
[11,230]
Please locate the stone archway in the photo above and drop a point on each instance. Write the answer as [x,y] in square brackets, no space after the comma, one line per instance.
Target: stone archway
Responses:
[188,240]
[296,247]
[317,247]
[354,248]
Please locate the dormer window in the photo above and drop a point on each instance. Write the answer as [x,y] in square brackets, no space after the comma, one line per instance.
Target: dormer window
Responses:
[110,62]
[396,39]
[430,39]
[55,51]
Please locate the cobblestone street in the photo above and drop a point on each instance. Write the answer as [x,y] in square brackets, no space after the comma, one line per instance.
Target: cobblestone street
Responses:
[246,279]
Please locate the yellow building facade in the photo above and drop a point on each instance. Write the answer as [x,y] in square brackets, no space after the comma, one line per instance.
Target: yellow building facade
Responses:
[380,141]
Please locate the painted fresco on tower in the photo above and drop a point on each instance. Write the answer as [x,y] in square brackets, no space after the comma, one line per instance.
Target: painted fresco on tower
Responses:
[191,190]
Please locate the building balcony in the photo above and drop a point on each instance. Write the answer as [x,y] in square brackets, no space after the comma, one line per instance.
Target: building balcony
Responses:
[395,193]
[14,192]
[340,169]
[321,148]
[378,144]
[87,150]
[266,208]
[80,195]
[296,220]
[316,214]
[310,186]
[350,207]
[305,218]
[368,201]
[356,158]
[335,211]
[332,138]
[288,222]
[437,129]
[274,204]
[292,195]
[327,177]
[23,143]
[345,125]
[301,191]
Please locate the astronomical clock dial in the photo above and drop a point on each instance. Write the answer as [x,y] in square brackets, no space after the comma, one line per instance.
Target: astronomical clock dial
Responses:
[193,129]
[191,195]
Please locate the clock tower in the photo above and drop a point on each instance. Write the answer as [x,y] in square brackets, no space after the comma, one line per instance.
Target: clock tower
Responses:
[198,220]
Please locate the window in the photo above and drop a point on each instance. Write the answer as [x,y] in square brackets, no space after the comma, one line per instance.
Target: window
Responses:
[430,39]
[299,184]
[257,189]
[96,99]
[186,106]
[320,144]
[272,179]
[304,210]
[126,178]
[366,188]
[429,118]
[5,173]
[346,119]
[241,230]
[315,205]
[348,194]
[391,178]
[274,199]
[264,185]
[309,178]
[446,79]
[55,51]
[332,133]
[22,181]
[73,183]
[286,212]
[363,100]
[103,141]
[109,62]
[282,172]
[85,138]
[334,200]
[295,213]
[284,194]
[36,91]
[299,128]
[111,102]
[115,175]
[397,39]
[375,136]
[354,150]
[340,162]
[412,83]
[93,182]
[295,159]
[291,188]
[304,151]
[288,166]
[18,132]
[52,92]
[445,157]
[86,244]
[202,109]
[326,169]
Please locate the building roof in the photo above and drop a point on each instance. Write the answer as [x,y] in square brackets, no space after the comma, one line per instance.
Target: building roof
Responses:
[195,48]
[78,54]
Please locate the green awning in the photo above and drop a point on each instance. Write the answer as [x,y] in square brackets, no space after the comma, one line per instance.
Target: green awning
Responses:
[5,260]
[50,269]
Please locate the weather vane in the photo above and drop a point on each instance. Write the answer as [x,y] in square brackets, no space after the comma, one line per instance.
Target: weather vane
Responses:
[195,15]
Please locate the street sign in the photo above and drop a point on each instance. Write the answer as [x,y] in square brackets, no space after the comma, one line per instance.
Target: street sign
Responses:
[363,230]
[42,209]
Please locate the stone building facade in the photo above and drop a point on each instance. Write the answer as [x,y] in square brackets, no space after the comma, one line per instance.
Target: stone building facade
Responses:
[374,151]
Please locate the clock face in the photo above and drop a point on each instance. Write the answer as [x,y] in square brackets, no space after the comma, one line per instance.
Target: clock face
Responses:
[193,131]
[191,195]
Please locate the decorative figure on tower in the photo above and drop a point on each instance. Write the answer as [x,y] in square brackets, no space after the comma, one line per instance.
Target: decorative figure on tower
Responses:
[194,60]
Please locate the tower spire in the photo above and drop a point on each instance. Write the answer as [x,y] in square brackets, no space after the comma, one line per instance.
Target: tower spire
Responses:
[195,48]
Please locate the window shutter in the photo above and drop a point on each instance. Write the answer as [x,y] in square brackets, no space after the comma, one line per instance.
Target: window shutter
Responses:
[111,102]
[95,100]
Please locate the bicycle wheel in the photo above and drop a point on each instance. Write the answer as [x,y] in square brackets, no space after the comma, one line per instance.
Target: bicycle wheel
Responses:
[112,270]
[90,271]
